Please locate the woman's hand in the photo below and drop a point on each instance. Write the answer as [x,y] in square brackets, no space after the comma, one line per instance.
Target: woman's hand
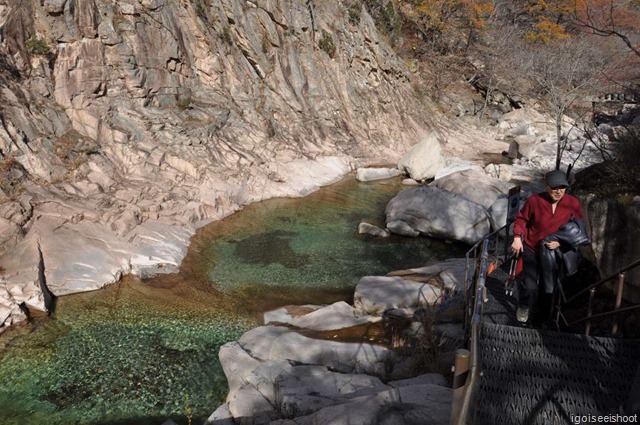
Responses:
[516,246]
[552,244]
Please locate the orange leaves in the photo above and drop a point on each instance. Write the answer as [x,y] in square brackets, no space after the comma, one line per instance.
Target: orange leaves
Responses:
[479,12]
[550,16]
[557,19]
[438,13]
[441,14]
[547,32]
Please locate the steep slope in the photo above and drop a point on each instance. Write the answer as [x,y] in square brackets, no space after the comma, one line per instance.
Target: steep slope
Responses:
[125,125]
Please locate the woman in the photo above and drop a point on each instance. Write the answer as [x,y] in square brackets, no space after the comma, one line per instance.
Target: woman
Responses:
[543,214]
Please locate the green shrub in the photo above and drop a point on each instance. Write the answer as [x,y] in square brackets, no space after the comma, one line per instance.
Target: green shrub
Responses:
[183,103]
[266,44]
[391,21]
[200,10]
[326,43]
[385,16]
[36,46]
[225,35]
[354,10]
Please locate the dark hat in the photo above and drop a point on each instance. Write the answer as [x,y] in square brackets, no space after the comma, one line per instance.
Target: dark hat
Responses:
[556,178]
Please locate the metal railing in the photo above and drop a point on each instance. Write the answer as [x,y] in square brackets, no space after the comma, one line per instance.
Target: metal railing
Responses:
[472,269]
[464,397]
[619,275]
[467,367]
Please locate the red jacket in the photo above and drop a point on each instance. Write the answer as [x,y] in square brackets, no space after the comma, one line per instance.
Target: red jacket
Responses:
[536,221]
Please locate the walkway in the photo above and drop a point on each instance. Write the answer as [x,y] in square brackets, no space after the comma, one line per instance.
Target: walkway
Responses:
[534,376]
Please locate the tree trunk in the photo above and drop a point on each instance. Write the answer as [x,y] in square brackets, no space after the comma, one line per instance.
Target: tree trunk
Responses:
[558,138]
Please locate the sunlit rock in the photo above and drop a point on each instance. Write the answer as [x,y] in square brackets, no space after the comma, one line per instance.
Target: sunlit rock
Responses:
[370,229]
[475,185]
[370,174]
[449,273]
[424,160]
[438,213]
[272,342]
[375,294]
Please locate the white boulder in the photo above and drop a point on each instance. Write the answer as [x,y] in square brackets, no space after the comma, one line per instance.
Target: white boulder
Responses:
[424,160]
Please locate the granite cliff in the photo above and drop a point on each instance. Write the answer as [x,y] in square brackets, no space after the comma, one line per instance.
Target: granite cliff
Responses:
[125,125]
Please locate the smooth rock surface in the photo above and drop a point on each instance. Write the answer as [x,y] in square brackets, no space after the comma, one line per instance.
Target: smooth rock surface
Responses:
[474,185]
[275,343]
[370,229]
[371,174]
[424,160]
[376,294]
[438,213]
[449,273]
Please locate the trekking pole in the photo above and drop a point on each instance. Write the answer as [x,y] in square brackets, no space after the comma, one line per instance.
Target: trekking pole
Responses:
[510,283]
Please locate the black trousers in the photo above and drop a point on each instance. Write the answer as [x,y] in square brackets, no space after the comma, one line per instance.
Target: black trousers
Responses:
[529,293]
[528,282]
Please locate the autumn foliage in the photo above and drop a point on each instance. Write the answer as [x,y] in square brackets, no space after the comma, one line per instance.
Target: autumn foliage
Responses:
[559,19]
[440,14]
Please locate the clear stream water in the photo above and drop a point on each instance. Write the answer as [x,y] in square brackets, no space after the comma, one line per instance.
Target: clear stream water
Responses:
[139,352]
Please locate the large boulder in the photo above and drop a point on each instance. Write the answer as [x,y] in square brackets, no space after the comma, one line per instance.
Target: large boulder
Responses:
[438,213]
[475,185]
[338,315]
[279,343]
[409,405]
[450,273]
[424,160]
[376,294]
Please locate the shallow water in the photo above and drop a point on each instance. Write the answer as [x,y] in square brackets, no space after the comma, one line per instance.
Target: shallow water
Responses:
[140,352]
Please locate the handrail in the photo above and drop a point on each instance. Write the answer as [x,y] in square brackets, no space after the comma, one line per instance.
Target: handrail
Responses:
[605,314]
[469,277]
[471,386]
[474,298]
[624,269]
[620,274]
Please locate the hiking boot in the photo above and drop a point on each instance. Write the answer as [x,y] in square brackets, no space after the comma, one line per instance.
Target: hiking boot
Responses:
[522,314]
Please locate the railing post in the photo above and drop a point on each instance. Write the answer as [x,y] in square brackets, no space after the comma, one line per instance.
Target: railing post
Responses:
[619,289]
[460,373]
[587,326]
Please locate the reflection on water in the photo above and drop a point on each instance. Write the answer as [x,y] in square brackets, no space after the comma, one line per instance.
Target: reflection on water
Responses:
[139,352]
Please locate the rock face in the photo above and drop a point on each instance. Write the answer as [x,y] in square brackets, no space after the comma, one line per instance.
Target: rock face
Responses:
[439,213]
[128,124]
